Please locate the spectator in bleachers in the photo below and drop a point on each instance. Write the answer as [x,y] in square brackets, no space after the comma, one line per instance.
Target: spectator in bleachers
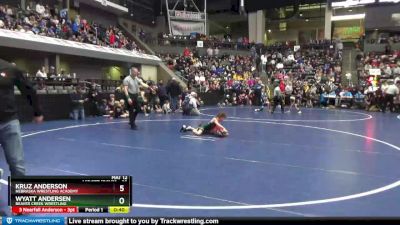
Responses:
[45,21]
[210,51]
[103,107]
[111,38]
[396,70]
[118,110]
[124,106]
[397,80]
[387,70]
[216,51]
[186,52]
[142,34]
[63,75]
[40,9]
[41,73]
[52,73]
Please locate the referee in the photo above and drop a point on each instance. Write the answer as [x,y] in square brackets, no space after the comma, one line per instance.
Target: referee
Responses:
[132,83]
[278,99]
[10,131]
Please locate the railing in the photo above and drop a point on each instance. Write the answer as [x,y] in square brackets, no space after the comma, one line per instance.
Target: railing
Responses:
[66,85]
[182,42]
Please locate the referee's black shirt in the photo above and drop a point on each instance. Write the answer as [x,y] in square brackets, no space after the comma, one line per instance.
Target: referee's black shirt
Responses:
[10,76]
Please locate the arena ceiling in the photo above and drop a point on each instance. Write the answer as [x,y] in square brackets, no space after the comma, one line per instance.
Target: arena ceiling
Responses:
[254,5]
[140,8]
[251,5]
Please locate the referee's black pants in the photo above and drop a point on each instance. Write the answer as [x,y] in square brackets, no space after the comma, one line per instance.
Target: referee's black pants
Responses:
[258,99]
[133,109]
[389,99]
[278,100]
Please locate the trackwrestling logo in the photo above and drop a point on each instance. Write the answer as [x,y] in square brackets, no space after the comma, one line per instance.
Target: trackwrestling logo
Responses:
[33,220]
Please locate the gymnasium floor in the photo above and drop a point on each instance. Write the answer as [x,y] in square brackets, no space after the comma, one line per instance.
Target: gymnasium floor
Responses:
[319,163]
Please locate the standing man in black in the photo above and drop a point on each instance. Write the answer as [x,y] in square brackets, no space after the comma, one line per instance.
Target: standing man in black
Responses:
[10,131]
[278,99]
[132,83]
[258,89]
[162,92]
[174,90]
[93,100]
[78,100]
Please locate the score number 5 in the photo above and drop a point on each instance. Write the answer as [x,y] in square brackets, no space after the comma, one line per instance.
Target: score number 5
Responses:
[121,200]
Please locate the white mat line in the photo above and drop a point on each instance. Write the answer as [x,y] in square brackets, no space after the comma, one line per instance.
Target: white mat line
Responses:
[3,181]
[288,204]
[192,137]
[309,168]
[197,138]
[204,137]
[217,199]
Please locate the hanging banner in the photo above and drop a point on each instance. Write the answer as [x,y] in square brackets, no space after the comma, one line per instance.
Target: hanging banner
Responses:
[186,28]
[187,15]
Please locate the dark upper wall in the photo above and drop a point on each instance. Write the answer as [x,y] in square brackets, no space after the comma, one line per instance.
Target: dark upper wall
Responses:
[28,61]
[94,14]
[384,17]
[85,68]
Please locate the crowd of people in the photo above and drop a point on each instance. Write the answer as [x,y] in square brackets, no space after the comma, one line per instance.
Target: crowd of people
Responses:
[51,22]
[97,104]
[387,63]
[379,75]
[308,76]
[51,74]
[384,38]
[158,98]
[237,75]
[226,41]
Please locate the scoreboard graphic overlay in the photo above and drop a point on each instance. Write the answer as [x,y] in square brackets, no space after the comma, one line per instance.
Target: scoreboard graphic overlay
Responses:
[70,194]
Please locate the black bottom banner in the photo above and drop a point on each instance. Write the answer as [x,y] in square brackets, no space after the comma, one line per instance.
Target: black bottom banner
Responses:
[222,221]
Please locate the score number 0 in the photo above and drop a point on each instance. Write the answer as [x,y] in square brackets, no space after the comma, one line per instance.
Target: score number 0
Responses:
[122,199]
